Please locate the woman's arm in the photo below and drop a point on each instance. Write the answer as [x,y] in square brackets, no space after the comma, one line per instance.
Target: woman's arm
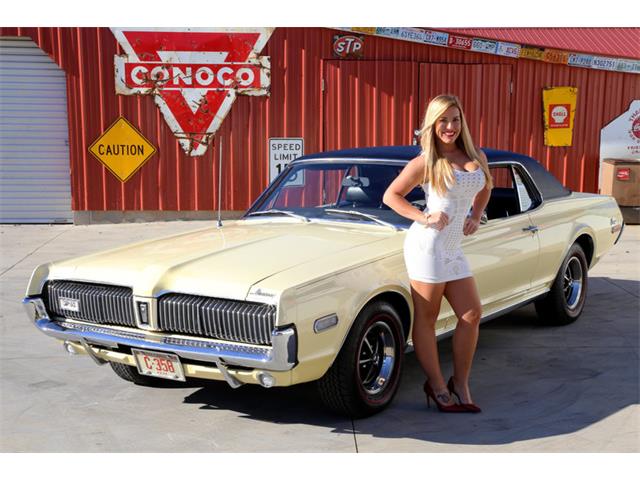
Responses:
[393,197]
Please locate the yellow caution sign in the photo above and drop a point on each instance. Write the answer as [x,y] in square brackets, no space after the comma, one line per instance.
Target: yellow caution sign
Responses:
[122,149]
[559,112]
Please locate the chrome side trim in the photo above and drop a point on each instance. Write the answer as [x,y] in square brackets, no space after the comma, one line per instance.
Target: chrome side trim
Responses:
[281,356]
[447,332]
[620,234]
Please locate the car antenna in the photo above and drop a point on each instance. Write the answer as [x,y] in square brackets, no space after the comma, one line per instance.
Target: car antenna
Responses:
[220,185]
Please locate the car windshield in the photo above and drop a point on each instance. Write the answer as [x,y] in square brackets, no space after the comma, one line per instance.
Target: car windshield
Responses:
[316,190]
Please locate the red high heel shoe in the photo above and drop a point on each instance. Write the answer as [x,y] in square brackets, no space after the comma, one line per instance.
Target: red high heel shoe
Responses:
[455,408]
[469,407]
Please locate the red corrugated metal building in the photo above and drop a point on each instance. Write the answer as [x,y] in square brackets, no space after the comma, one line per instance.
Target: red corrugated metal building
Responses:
[377,98]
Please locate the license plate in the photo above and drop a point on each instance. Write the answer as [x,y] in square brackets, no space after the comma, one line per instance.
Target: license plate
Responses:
[162,365]
[69,304]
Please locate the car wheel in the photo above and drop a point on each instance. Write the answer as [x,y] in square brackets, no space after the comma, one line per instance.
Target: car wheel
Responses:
[130,374]
[365,376]
[565,301]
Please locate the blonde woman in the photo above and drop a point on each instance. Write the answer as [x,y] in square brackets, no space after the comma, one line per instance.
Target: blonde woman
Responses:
[455,176]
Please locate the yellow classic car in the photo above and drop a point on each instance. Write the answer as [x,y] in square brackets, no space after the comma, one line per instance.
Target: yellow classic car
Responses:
[310,284]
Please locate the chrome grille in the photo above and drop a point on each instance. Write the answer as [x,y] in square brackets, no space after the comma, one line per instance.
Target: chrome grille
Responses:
[102,304]
[243,322]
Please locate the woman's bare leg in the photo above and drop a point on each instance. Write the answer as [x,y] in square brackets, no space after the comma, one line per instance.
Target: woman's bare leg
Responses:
[463,297]
[426,304]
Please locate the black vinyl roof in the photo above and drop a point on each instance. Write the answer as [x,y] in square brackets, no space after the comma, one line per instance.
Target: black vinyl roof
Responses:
[548,185]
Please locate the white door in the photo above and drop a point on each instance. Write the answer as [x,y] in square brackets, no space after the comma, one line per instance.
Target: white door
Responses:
[35,179]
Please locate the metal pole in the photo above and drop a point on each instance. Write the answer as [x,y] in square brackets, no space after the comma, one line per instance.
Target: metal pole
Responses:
[220,186]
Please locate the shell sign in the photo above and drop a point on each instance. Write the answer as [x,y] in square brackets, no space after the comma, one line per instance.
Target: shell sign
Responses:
[559,112]
[194,74]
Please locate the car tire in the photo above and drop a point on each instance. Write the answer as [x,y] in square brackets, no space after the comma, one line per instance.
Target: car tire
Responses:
[565,301]
[130,374]
[365,375]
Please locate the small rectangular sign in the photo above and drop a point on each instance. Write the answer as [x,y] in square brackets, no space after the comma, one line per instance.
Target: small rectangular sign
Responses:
[533,53]
[623,174]
[283,151]
[579,60]
[508,49]
[413,35]
[604,63]
[463,43]
[556,56]
[436,38]
[484,46]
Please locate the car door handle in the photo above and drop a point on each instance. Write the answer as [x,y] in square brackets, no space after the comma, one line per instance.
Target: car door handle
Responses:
[531,228]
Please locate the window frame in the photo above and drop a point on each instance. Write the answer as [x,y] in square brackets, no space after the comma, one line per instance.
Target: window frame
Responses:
[529,184]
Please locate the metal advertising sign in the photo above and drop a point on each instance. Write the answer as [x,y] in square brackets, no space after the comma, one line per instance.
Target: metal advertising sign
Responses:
[621,138]
[122,149]
[348,46]
[559,112]
[194,74]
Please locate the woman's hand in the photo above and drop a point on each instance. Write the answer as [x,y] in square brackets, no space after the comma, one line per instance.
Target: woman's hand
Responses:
[437,220]
[470,226]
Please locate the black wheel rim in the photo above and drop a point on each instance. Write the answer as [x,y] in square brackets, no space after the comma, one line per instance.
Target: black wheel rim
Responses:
[376,357]
[572,283]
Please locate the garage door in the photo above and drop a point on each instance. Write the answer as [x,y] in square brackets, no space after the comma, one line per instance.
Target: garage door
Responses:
[35,184]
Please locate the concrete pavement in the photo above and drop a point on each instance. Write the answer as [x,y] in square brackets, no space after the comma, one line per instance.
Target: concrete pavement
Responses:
[543,389]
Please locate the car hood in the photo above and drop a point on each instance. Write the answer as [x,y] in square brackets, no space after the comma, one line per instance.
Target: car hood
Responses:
[223,262]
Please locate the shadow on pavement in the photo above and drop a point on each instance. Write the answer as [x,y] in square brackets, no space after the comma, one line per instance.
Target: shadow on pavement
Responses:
[532,381]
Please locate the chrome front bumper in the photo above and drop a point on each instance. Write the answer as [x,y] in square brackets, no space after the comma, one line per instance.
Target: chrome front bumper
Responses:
[281,356]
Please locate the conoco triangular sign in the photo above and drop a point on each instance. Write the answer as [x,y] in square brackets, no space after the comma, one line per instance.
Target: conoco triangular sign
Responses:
[194,74]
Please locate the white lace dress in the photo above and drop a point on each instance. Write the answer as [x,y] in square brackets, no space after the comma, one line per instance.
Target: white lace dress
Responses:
[435,256]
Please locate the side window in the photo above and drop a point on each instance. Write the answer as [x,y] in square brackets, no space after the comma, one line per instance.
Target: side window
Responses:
[524,198]
[510,195]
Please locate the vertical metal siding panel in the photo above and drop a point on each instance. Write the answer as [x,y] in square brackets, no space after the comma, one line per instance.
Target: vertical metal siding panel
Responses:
[90,115]
[483,91]
[369,103]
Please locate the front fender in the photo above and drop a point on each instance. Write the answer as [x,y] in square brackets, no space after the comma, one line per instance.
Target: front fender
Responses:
[38,279]
[345,294]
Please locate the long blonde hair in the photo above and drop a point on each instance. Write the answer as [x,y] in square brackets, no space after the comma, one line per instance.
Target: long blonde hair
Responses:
[437,170]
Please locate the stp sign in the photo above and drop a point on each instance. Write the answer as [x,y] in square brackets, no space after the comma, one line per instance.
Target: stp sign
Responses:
[348,46]
[194,74]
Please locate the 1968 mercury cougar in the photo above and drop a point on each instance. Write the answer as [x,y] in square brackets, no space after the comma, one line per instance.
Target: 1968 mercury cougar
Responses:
[310,284]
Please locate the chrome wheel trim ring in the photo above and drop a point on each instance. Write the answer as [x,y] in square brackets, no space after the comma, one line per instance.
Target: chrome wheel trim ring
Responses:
[376,358]
[572,283]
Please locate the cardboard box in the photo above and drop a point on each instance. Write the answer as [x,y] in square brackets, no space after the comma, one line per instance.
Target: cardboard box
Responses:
[621,179]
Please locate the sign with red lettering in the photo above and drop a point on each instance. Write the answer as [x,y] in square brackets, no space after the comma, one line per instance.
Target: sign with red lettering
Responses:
[348,46]
[559,115]
[623,174]
[460,42]
[194,74]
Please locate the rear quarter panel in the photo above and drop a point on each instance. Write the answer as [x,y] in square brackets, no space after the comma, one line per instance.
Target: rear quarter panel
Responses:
[562,221]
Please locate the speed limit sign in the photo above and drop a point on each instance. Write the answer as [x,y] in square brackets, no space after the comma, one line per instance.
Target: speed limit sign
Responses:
[283,151]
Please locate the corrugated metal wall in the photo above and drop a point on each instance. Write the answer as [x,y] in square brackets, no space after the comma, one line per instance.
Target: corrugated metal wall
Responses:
[299,58]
